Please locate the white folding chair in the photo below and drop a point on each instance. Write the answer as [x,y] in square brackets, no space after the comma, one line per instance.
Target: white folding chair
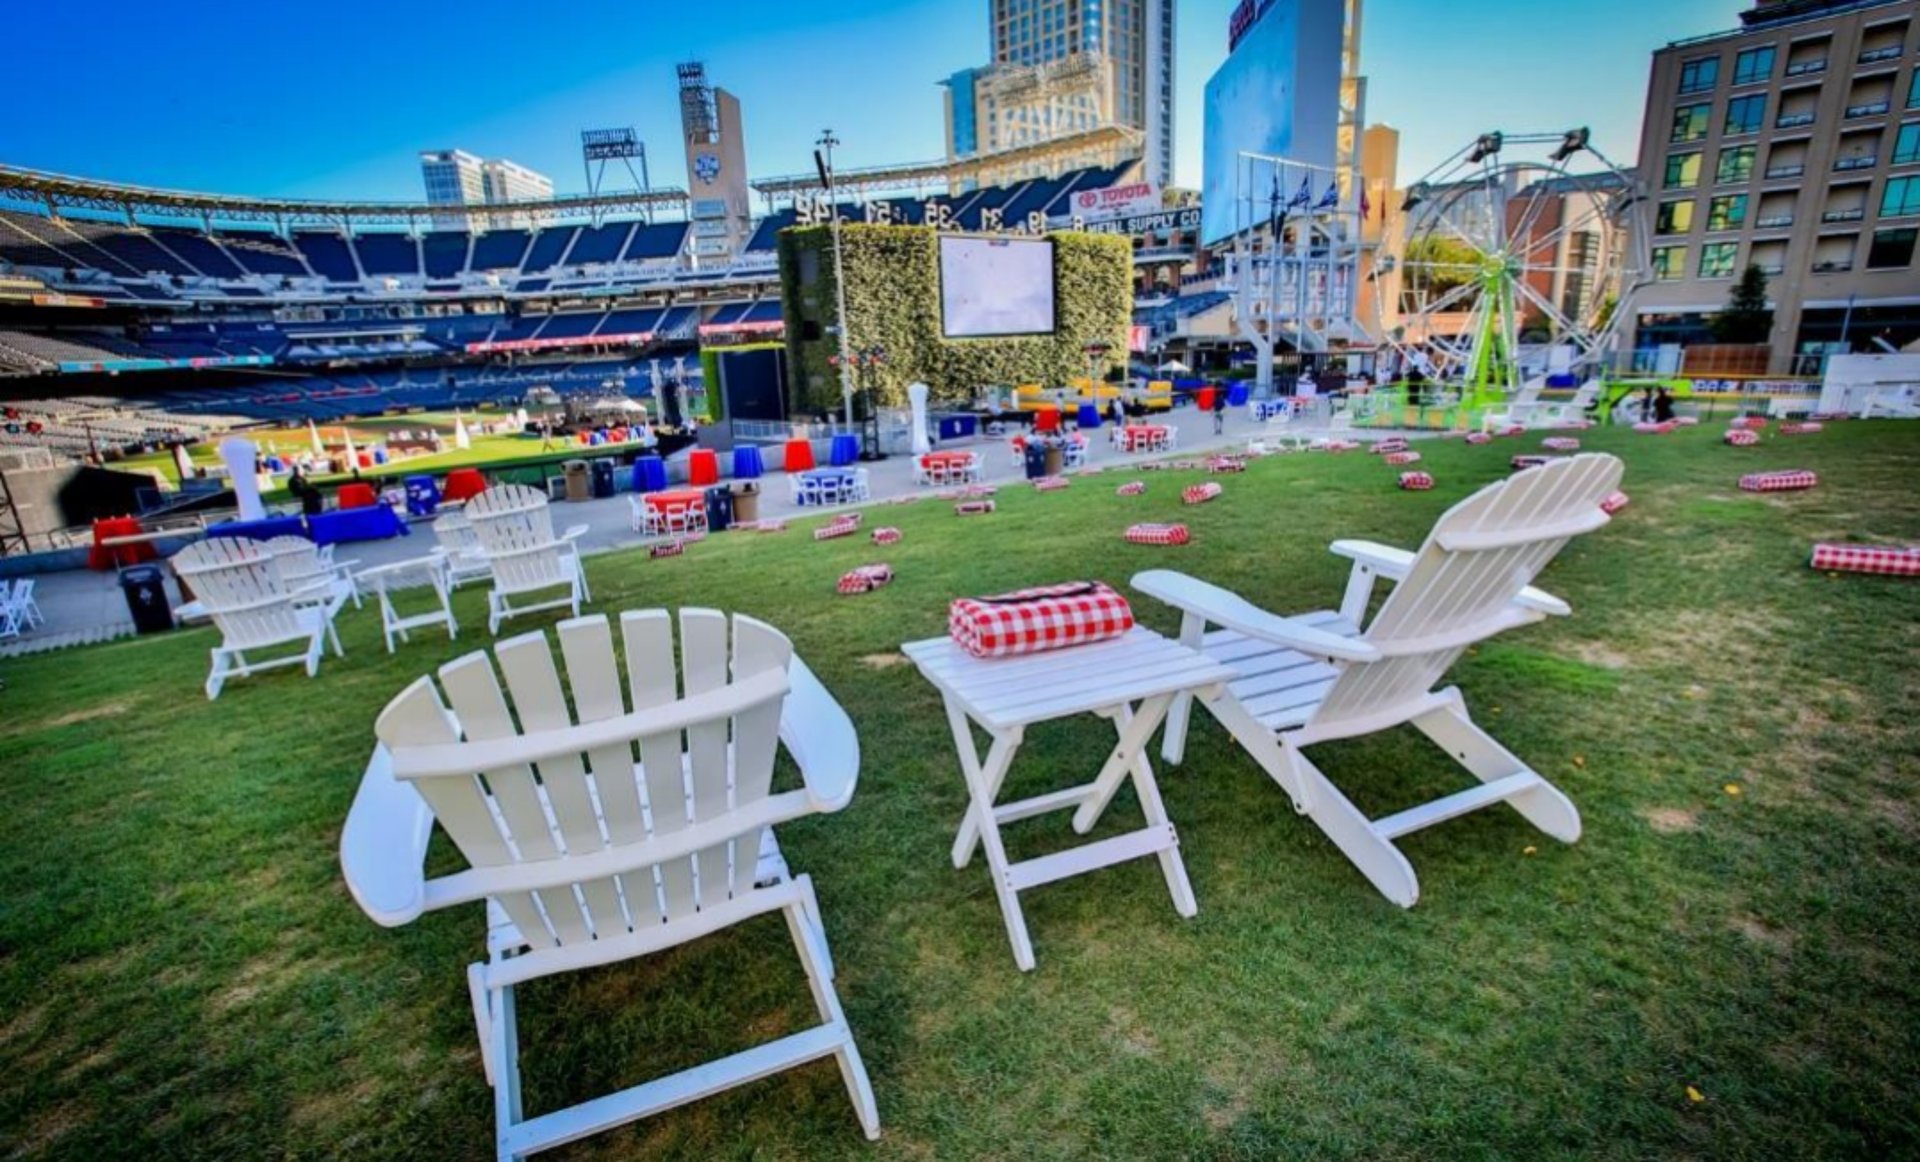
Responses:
[587,857]
[1319,677]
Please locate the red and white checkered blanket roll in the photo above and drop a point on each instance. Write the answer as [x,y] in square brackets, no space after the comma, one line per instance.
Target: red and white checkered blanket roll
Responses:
[886,536]
[1885,560]
[1050,483]
[1221,464]
[1402,458]
[1752,423]
[1790,480]
[1514,430]
[667,549]
[1479,438]
[1560,444]
[1158,534]
[1131,488]
[1741,437]
[1802,429]
[1391,444]
[1415,481]
[973,507]
[1030,621]
[864,579]
[1200,493]
[837,527]
[1614,502]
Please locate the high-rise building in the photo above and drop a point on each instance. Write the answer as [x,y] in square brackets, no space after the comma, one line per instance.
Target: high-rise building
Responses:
[454,177]
[1791,143]
[1062,67]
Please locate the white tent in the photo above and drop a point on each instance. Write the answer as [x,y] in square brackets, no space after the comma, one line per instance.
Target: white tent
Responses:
[353,457]
[1175,366]
[461,439]
[313,436]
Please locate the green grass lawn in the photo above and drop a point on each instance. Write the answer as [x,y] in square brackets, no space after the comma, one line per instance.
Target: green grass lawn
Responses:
[182,973]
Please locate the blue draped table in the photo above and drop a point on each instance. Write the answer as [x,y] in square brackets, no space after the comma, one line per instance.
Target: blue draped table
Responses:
[374,523]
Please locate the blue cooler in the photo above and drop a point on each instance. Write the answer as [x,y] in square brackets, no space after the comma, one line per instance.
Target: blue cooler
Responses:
[423,496]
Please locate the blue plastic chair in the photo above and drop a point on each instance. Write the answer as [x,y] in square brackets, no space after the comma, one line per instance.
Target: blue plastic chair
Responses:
[844,451]
[746,462]
[1089,416]
[649,474]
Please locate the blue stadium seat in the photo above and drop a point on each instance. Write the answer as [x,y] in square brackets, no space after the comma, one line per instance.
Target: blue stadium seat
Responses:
[656,240]
[256,250]
[444,253]
[388,254]
[500,250]
[548,246]
[328,255]
[599,244]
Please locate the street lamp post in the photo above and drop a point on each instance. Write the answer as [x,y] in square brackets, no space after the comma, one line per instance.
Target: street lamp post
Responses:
[826,143]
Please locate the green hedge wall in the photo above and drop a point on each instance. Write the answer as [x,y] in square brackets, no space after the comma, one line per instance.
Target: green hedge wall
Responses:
[893,302]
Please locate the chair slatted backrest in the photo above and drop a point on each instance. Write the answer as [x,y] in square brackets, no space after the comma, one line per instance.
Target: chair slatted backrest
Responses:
[515,529]
[1464,581]
[628,793]
[240,587]
[454,533]
[297,558]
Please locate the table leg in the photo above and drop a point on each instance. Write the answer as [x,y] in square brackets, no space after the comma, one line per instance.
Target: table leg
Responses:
[983,783]
[1135,728]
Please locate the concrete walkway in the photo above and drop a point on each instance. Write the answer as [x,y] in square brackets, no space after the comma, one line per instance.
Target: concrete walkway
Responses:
[82,606]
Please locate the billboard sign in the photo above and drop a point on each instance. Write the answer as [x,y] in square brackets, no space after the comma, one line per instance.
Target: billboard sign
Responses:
[1277,95]
[1115,201]
[1159,222]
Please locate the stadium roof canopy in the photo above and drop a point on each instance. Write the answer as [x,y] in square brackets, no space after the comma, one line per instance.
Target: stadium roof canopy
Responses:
[982,168]
[55,193]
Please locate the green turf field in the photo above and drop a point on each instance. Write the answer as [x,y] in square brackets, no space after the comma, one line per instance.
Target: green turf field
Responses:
[1721,968]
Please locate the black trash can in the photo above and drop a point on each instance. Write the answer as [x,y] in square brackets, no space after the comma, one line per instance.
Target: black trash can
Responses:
[603,478]
[1036,459]
[145,588]
[719,508]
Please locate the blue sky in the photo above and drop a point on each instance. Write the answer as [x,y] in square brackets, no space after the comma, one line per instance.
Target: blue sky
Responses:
[335,100]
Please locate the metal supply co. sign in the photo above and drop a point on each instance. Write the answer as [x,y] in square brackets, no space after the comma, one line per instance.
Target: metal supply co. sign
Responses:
[1116,202]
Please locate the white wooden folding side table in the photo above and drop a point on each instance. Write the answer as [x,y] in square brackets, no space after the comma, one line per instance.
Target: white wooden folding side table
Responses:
[434,572]
[1129,680]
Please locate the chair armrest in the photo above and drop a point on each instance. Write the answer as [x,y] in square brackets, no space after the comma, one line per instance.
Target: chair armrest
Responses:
[1231,611]
[574,532]
[821,739]
[383,846]
[1394,564]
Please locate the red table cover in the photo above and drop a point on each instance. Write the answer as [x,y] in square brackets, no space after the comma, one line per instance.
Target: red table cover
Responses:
[464,484]
[1030,621]
[799,456]
[703,467]
[357,494]
[103,557]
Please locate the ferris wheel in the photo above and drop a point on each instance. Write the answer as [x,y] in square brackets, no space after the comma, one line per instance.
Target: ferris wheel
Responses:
[1510,270]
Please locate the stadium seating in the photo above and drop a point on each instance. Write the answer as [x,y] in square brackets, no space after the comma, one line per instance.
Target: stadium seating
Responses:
[388,254]
[329,256]
[499,250]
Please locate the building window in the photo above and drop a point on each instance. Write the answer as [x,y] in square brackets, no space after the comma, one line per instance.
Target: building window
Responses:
[1697,76]
[1735,165]
[1744,114]
[1727,213]
[1669,263]
[1690,122]
[1683,171]
[1901,198]
[1753,66]
[1892,249]
[1674,218]
[1913,91]
[1906,145]
[1717,259]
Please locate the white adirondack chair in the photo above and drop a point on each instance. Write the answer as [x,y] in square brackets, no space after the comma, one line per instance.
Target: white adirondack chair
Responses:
[1318,677]
[599,859]
[241,589]
[303,565]
[515,529]
[455,539]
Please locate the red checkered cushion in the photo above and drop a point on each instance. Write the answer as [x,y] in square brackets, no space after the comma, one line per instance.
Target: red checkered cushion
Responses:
[1200,493]
[1030,621]
[1221,464]
[1885,560]
[886,536]
[1805,429]
[1157,534]
[864,579]
[837,527]
[1753,423]
[668,549]
[1479,438]
[973,507]
[1131,488]
[1790,480]
[1614,502]
[1392,444]
[1560,444]
[1403,458]
[1741,437]
[1415,481]
[1050,483]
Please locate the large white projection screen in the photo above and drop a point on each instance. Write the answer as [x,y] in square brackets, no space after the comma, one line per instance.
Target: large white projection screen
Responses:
[995,286]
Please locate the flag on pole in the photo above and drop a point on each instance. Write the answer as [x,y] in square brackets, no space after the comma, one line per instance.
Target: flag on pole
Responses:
[1276,213]
[1303,197]
[1366,206]
[1331,199]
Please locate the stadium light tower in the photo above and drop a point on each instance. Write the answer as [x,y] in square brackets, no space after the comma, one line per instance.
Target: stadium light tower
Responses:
[823,157]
